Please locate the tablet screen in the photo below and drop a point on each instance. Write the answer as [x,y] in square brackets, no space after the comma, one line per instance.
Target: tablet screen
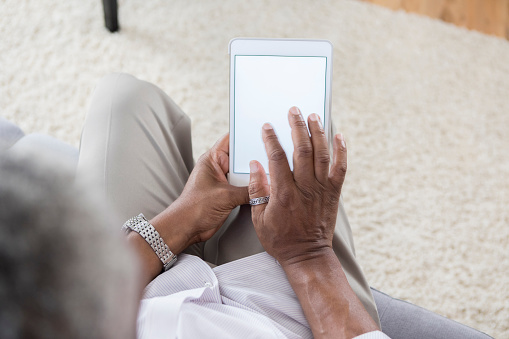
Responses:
[264,90]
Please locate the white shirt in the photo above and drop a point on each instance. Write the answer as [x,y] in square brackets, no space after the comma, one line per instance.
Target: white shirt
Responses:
[246,298]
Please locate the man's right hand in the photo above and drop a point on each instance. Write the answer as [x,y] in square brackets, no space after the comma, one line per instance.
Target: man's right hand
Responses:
[297,225]
[300,217]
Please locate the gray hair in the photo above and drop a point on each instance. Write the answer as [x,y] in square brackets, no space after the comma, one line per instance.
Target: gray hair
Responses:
[65,271]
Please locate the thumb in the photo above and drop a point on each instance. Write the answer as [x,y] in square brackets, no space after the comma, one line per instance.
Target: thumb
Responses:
[238,195]
[258,187]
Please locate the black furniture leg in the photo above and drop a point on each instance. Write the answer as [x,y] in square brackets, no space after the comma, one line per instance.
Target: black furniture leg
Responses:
[110,15]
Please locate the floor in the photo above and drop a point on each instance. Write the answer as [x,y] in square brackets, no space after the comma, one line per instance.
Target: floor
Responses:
[487,16]
[423,106]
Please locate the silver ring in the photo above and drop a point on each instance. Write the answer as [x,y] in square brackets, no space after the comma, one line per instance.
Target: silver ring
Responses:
[259,201]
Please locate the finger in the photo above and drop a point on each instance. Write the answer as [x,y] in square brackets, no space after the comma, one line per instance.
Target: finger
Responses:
[339,163]
[220,152]
[258,187]
[223,161]
[321,157]
[279,170]
[302,147]
[223,144]
[238,195]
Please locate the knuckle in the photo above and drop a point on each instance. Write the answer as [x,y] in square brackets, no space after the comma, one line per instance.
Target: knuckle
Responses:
[318,131]
[341,148]
[300,123]
[277,154]
[304,151]
[307,194]
[338,176]
[332,198]
[323,157]
[254,188]
[342,167]
[271,138]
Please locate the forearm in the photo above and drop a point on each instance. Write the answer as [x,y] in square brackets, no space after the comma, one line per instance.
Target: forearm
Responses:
[330,305]
[202,207]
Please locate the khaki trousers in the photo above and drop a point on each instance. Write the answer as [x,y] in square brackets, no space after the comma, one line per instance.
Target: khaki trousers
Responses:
[136,146]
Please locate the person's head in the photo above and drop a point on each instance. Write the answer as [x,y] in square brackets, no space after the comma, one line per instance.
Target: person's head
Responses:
[65,271]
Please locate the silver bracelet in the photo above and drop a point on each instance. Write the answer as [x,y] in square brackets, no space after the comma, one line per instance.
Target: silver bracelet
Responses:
[140,225]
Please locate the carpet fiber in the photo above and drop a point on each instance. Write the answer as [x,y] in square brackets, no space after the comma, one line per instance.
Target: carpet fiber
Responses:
[424,107]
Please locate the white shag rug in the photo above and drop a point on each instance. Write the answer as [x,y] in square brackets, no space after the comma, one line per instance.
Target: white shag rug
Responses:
[424,107]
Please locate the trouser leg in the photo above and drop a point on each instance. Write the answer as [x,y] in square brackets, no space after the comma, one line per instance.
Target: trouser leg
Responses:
[136,147]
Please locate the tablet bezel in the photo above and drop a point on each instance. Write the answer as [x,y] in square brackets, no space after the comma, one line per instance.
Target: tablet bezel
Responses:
[279,47]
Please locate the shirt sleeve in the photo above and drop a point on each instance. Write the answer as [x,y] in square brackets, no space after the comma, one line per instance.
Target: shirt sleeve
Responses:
[373,335]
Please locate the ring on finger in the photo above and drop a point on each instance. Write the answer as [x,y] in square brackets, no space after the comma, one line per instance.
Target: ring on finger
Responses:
[259,200]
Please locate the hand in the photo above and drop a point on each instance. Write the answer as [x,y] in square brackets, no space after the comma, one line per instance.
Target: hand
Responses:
[299,220]
[207,199]
[197,214]
[297,225]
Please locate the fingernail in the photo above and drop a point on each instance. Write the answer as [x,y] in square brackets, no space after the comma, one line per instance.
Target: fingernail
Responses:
[295,110]
[342,140]
[267,126]
[316,117]
[253,167]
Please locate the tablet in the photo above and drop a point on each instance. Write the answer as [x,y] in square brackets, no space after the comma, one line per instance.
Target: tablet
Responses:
[267,78]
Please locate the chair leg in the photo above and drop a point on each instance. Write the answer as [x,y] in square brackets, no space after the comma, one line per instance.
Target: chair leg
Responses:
[110,15]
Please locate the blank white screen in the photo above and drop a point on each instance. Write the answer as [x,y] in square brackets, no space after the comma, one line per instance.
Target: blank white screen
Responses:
[266,87]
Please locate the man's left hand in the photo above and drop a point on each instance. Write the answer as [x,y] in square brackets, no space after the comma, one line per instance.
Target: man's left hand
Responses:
[206,201]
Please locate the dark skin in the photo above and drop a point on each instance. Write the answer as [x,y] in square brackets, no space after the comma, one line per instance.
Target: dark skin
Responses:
[296,226]
[198,213]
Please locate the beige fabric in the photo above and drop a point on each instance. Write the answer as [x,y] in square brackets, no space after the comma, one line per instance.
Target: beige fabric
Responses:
[136,144]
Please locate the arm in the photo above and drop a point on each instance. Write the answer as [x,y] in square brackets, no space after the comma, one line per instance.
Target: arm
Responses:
[297,225]
[197,214]
[330,305]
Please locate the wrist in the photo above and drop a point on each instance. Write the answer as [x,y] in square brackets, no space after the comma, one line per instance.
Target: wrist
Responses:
[309,266]
[175,227]
[158,241]
[307,257]
[329,303]
[151,265]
